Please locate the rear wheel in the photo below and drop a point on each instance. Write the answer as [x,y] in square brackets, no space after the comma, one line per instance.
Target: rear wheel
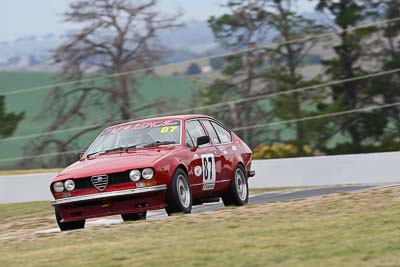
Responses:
[238,192]
[134,216]
[179,194]
[67,226]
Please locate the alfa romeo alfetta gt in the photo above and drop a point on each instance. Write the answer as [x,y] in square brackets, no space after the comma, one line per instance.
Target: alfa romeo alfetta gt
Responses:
[168,162]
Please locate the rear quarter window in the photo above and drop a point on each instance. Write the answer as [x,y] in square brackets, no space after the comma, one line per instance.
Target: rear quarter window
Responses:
[224,135]
[211,131]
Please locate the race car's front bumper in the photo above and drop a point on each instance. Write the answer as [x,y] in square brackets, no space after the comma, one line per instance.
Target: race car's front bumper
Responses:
[112,194]
[111,203]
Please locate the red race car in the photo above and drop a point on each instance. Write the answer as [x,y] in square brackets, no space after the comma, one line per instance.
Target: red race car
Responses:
[168,162]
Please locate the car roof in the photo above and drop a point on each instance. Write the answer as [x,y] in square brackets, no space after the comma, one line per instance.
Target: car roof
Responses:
[174,117]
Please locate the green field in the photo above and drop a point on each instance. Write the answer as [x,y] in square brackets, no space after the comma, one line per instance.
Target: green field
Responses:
[347,229]
[178,92]
[151,88]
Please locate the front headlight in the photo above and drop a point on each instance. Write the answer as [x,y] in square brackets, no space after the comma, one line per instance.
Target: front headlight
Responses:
[69,185]
[134,175]
[148,173]
[58,187]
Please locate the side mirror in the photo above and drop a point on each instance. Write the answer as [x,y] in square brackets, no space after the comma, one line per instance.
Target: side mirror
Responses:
[80,155]
[202,140]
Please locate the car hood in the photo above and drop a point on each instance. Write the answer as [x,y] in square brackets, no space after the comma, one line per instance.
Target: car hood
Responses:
[115,162]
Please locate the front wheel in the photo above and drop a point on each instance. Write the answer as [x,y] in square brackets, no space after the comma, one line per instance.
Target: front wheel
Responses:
[67,226]
[238,192]
[179,194]
[134,216]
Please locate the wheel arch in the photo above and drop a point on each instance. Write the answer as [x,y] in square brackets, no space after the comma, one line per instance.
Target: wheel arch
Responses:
[240,164]
[174,167]
[238,161]
[183,167]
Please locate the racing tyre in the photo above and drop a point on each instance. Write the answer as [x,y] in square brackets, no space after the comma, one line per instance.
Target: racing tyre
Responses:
[134,216]
[179,194]
[66,226]
[238,192]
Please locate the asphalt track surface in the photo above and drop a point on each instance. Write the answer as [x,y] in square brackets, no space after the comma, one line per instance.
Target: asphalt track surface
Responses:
[209,207]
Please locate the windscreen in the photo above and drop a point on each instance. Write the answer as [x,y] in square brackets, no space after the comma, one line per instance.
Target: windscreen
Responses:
[137,135]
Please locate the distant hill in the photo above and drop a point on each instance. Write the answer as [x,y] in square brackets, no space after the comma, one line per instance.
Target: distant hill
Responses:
[151,89]
[32,53]
[194,40]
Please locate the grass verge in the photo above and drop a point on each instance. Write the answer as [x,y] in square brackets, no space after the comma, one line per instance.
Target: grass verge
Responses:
[24,218]
[347,229]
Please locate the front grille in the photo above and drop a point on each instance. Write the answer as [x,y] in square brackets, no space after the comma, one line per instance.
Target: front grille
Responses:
[119,178]
[100,181]
[113,179]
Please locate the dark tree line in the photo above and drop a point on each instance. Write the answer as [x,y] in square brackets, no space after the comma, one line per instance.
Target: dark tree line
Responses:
[243,27]
[120,36]
[351,53]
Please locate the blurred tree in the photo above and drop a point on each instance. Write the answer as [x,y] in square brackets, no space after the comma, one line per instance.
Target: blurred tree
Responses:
[193,69]
[243,27]
[114,36]
[284,73]
[260,71]
[390,55]
[279,150]
[216,63]
[351,60]
[8,120]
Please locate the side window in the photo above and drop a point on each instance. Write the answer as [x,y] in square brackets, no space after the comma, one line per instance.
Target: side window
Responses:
[195,130]
[211,131]
[189,141]
[223,134]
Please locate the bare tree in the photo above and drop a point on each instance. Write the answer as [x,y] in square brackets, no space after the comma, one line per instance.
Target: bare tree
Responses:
[115,37]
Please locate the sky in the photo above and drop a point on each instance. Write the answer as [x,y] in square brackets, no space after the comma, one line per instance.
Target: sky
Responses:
[39,17]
